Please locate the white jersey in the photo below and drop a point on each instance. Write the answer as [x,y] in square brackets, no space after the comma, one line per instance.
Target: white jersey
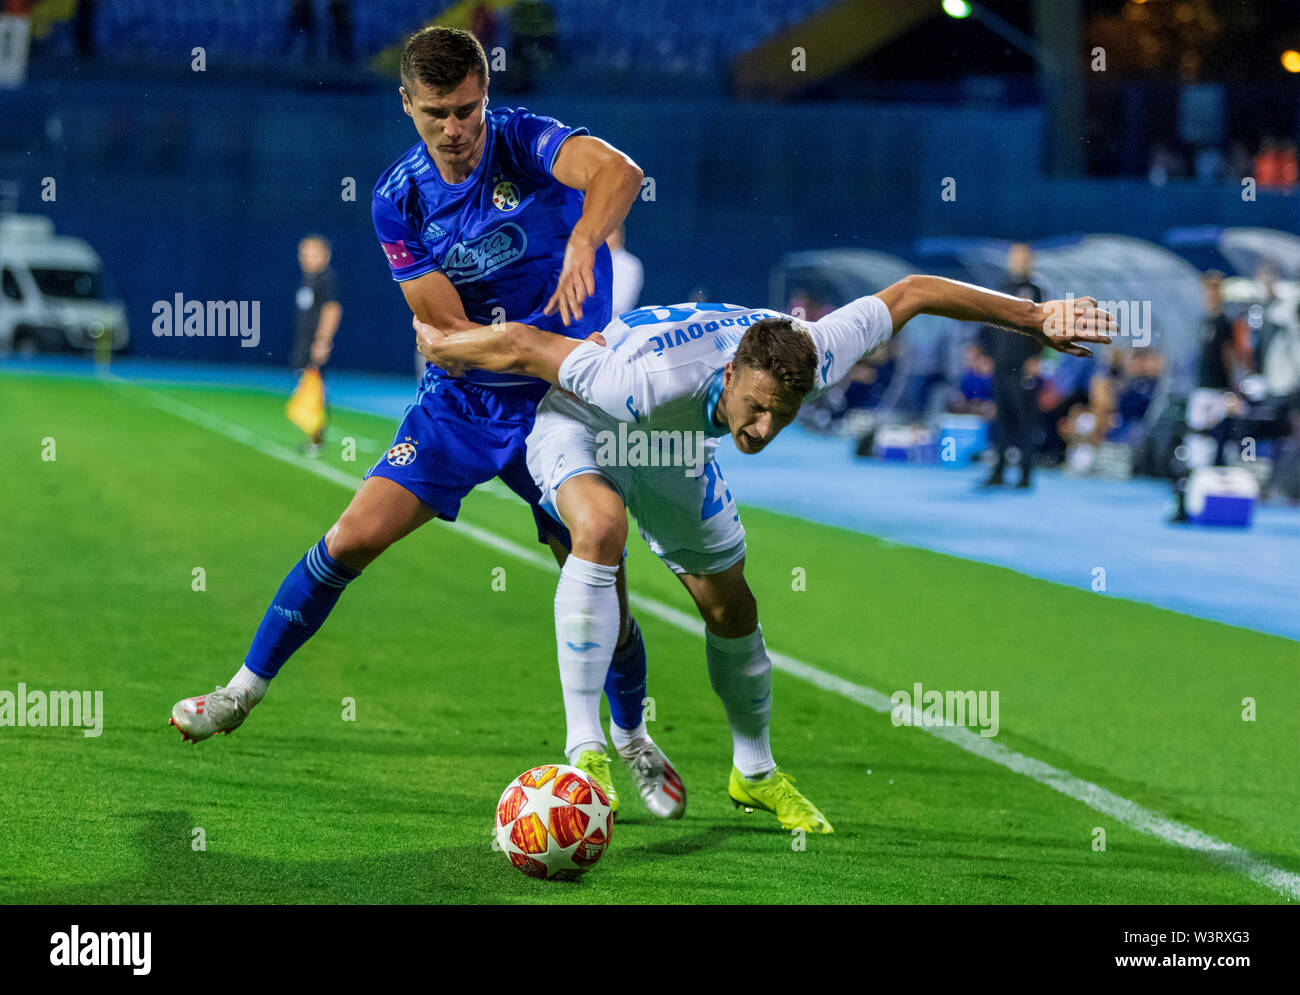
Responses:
[661,367]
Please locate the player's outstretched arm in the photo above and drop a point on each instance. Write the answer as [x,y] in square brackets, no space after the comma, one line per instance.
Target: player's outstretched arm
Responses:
[1068,325]
[506,347]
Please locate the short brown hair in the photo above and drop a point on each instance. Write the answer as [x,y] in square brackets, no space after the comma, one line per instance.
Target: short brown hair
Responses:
[782,350]
[441,58]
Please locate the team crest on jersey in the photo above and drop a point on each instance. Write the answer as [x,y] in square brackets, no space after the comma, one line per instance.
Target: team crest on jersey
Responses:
[402,454]
[505,196]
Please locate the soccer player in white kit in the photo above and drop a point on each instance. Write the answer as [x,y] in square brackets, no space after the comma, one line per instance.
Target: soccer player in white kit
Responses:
[666,379]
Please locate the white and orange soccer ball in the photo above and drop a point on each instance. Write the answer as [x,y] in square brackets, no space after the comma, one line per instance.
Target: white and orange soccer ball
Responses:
[554,822]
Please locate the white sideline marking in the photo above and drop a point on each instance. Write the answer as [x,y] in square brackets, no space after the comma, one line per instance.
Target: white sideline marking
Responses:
[1121,809]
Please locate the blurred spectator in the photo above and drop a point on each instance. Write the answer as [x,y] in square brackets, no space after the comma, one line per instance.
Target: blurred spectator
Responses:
[1290,167]
[1133,392]
[629,274]
[1087,423]
[1267,169]
[1213,407]
[1282,378]
[1064,387]
[1282,360]
[1275,165]
[1165,164]
[1260,316]
[1210,165]
[974,392]
[1119,396]
[868,380]
[1015,374]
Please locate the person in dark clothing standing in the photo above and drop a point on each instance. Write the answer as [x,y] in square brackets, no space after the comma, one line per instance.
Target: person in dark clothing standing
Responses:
[1211,406]
[1216,337]
[1015,374]
[319,312]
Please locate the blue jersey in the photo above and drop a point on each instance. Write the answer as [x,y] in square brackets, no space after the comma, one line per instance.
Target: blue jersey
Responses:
[499,236]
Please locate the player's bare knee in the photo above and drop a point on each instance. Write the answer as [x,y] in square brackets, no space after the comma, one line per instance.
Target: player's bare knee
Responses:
[356,539]
[733,617]
[600,538]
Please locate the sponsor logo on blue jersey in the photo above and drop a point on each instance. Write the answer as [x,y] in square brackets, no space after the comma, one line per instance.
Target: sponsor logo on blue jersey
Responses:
[486,254]
[434,230]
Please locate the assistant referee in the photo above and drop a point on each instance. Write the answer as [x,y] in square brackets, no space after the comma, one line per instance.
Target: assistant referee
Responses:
[319,312]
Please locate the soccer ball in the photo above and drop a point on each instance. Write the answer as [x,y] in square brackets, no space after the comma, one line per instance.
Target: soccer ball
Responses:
[553,822]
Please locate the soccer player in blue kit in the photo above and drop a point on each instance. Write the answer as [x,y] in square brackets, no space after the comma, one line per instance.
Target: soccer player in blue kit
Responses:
[486,214]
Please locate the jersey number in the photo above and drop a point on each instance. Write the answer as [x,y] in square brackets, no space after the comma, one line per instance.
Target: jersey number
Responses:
[713,483]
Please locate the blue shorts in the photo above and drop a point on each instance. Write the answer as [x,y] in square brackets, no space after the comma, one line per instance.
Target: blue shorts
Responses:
[458,435]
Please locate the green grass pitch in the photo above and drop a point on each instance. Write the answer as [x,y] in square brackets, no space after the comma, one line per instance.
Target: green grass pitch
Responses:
[456,692]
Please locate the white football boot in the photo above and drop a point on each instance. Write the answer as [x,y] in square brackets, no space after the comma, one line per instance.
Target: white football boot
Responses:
[660,785]
[222,710]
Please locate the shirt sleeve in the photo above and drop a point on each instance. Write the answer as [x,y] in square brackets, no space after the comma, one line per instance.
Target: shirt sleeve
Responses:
[535,141]
[846,335]
[598,376]
[328,289]
[408,257]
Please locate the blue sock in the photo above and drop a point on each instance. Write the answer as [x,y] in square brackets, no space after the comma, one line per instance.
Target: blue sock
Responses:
[625,682]
[300,608]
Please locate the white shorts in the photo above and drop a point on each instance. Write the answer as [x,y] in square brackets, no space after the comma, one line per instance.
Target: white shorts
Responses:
[689,522]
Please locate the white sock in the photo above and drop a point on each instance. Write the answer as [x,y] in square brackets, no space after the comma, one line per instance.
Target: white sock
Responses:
[741,675]
[620,737]
[586,629]
[256,686]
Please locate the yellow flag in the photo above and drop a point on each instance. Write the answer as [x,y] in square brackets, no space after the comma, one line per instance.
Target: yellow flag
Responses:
[306,408]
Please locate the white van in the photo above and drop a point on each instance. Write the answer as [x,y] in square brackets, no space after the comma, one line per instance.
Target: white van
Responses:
[52,296]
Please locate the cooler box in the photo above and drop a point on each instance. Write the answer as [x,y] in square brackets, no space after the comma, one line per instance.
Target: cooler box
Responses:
[905,444]
[893,443]
[969,435]
[1221,496]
